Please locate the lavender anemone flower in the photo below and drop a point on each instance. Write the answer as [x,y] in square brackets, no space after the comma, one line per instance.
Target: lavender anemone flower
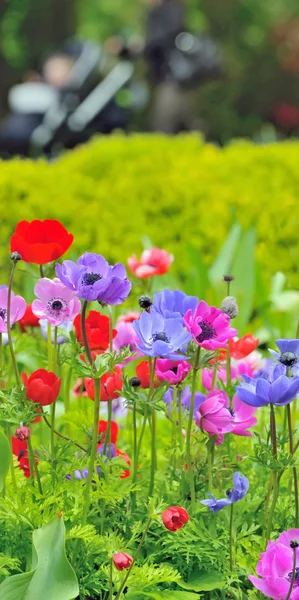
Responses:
[56,303]
[92,278]
[126,336]
[17,308]
[159,336]
[288,359]
[61,339]
[276,389]
[186,399]
[240,489]
[174,304]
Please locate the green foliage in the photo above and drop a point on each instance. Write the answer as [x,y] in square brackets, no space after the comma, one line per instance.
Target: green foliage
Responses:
[51,572]
[5,458]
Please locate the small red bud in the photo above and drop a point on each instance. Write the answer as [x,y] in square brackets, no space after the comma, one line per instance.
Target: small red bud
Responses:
[22,433]
[122,560]
[239,457]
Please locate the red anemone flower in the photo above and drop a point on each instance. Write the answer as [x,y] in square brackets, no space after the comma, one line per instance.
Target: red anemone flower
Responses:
[28,319]
[97,330]
[126,458]
[122,560]
[244,346]
[143,373]
[42,386]
[103,426]
[152,262]
[111,385]
[20,450]
[40,242]
[175,517]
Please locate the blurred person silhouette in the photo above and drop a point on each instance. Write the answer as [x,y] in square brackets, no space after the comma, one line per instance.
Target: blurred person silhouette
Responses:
[171,109]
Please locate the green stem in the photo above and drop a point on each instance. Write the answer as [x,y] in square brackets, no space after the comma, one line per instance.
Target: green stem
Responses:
[54,367]
[94,446]
[41,270]
[30,453]
[110,329]
[153,431]
[50,348]
[273,431]
[31,461]
[134,559]
[228,365]
[174,427]
[108,432]
[134,474]
[295,478]
[12,352]
[1,353]
[210,448]
[273,504]
[84,335]
[110,580]
[67,390]
[231,562]
[293,574]
[215,371]
[266,517]
[189,429]
[181,442]
[64,437]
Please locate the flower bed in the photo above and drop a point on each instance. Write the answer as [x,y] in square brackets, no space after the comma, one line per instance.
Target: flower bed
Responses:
[146,453]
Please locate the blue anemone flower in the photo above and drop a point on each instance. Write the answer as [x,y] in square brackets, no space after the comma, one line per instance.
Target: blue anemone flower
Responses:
[276,389]
[240,489]
[159,336]
[174,304]
[288,359]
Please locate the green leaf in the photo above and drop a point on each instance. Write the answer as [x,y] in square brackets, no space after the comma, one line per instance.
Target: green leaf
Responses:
[52,576]
[204,582]
[243,287]
[5,458]
[223,262]
[197,281]
[164,595]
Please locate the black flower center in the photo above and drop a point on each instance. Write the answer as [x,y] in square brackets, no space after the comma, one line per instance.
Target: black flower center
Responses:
[161,336]
[91,278]
[56,305]
[288,359]
[229,493]
[174,370]
[232,412]
[296,580]
[207,332]
[3,312]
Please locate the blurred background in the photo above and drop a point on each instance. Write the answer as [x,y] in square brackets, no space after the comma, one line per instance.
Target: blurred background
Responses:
[73,68]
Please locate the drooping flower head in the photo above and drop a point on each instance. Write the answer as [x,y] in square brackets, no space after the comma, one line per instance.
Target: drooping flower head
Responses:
[56,303]
[92,278]
[40,242]
[277,389]
[174,518]
[209,326]
[185,399]
[152,262]
[240,489]
[97,331]
[122,560]
[214,416]
[42,386]
[174,304]
[111,385]
[288,359]
[159,336]
[29,320]
[275,567]
[172,371]
[17,308]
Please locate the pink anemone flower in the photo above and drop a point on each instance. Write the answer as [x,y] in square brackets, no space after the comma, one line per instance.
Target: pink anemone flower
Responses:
[56,303]
[173,371]
[209,326]
[243,417]
[213,415]
[152,262]
[17,308]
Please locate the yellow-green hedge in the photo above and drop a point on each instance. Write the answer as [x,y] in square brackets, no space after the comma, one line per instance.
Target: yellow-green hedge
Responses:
[114,190]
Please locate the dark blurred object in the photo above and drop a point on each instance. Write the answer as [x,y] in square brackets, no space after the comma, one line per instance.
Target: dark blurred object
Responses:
[286,117]
[70,103]
[179,61]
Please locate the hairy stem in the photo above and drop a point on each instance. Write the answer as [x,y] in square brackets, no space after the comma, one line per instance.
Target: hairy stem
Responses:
[189,429]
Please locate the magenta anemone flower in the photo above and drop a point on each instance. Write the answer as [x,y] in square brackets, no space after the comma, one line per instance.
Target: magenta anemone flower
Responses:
[56,303]
[213,415]
[173,371]
[209,326]
[275,567]
[243,417]
[126,336]
[17,308]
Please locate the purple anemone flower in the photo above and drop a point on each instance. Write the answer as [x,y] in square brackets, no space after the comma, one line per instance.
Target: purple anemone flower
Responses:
[240,489]
[56,303]
[277,389]
[92,278]
[174,304]
[288,359]
[186,399]
[159,336]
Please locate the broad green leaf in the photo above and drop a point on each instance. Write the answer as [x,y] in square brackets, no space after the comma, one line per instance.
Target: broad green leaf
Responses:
[243,288]
[223,262]
[197,281]
[5,458]
[204,582]
[52,577]
[163,595]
